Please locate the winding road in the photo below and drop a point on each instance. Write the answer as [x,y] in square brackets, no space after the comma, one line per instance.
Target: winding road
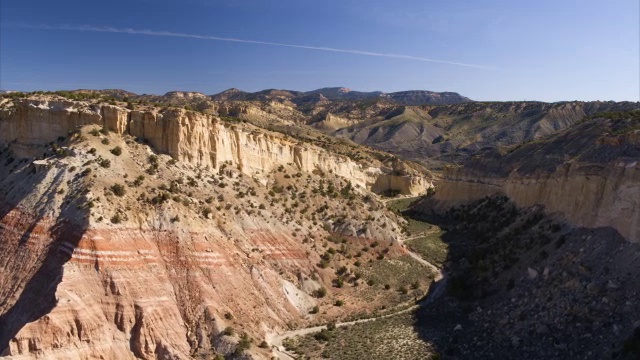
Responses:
[435,291]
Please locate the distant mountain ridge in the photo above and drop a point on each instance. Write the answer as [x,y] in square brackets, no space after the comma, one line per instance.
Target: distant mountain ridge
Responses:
[331,94]
[410,97]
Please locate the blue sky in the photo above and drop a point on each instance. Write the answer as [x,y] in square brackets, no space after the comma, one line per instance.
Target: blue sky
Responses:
[492,50]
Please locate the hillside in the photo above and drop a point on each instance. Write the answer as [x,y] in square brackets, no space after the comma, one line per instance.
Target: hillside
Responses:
[542,243]
[452,133]
[169,233]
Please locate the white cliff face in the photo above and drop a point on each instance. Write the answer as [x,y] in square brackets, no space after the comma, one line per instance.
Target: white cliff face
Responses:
[192,137]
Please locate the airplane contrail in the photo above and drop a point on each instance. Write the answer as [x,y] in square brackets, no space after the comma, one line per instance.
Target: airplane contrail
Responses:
[108,29]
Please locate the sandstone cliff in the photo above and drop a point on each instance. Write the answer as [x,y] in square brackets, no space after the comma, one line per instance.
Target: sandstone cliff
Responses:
[198,139]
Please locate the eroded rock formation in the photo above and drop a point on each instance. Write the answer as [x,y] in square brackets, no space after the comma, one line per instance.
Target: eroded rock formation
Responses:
[192,137]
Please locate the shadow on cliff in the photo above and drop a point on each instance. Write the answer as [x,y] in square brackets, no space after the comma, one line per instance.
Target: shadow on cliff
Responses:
[436,315]
[41,265]
[521,284]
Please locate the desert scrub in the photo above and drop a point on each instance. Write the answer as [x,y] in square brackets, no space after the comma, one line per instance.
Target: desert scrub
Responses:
[118,190]
[105,163]
[116,219]
[117,151]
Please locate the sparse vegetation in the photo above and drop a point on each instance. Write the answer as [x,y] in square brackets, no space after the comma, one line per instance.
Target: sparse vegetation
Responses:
[117,151]
[116,219]
[118,190]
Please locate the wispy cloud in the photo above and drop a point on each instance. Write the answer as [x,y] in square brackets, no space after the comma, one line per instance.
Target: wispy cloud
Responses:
[87,28]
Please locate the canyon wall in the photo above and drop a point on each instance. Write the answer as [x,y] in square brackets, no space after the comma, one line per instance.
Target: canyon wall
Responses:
[192,137]
[590,175]
[583,194]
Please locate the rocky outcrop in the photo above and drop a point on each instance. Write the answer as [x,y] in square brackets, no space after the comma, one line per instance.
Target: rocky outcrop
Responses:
[231,235]
[401,184]
[196,138]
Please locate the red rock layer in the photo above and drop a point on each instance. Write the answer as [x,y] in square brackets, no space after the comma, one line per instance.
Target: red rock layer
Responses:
[76,293]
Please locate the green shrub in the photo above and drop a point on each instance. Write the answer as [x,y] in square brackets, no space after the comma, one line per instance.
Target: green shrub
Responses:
[116,219]
[320,293]
[244,344]
[117,151]
[105,163]
[118,190]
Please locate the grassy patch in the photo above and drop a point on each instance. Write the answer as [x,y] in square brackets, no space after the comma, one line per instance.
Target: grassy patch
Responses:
[398,273]
[400,205]
[414,226]
[388,338]
[431,248]
[417,227]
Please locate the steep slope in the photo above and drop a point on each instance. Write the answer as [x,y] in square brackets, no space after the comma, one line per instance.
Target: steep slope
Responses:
[166,233]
